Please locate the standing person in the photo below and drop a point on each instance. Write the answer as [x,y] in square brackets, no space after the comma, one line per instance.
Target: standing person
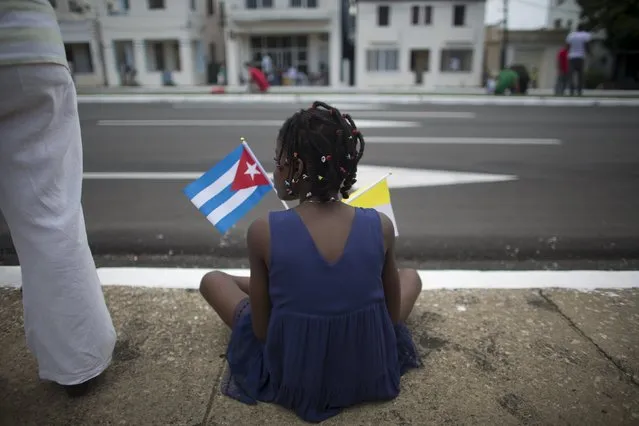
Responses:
[67,325]
[578,48]
[320,324]
[562,71]
[267,67]
[256,79]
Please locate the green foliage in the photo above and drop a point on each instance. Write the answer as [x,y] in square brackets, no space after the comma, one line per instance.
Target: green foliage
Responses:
[618,18]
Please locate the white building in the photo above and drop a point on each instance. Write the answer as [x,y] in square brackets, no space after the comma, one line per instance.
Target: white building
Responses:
[77,21]
[305,34]
[154,37]
[563,14]
[433,43]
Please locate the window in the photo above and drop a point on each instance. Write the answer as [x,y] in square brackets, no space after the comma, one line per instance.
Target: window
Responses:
[381,60]
[557,24]
[459,15]
[259,4]
[158,56]
[79,55]
[420,60]
[428,15]
[118,7]
[285,51]
[156,4]
[304,3]
[54,3]
[415,15]
[210,7]
[383,16]
[456,60]
[193,5]
[569,24]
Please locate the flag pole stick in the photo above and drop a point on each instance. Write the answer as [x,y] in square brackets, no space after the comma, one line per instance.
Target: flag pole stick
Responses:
[248,148]
[349,200]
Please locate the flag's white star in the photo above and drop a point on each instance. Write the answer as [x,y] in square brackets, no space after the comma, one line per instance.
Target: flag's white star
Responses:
[251,169]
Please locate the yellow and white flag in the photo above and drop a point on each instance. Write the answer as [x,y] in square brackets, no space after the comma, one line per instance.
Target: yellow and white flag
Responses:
[376,196]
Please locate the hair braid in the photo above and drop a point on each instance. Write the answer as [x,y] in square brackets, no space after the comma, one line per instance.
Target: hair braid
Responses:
[330,146]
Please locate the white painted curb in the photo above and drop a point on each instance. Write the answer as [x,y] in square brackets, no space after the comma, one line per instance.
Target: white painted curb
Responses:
[189,278]
[362,98]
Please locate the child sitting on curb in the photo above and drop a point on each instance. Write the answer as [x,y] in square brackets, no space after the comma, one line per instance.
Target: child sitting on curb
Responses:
[319,326]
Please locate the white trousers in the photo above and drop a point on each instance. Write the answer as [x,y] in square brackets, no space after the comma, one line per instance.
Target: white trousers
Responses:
[67,325]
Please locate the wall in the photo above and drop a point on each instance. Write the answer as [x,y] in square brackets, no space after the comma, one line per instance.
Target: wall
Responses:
[402,34]
[191,28]
[565,10]
[80,28]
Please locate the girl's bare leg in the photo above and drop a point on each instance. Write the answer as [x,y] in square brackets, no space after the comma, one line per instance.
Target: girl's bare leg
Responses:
[223,292]
[411,287]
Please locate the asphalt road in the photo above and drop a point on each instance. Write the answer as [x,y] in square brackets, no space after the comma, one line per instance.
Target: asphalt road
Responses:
[576,195]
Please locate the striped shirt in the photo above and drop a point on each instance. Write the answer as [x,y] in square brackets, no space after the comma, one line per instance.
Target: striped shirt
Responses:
[29,33]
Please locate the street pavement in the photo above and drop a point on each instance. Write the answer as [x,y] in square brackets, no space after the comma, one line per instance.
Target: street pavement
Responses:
[506,357]
[540,183]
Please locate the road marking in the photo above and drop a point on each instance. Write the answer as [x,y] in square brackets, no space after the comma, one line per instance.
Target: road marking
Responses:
[189,278]
[293,108]
[411,114]
[401,177]
[461,141]
[367,124]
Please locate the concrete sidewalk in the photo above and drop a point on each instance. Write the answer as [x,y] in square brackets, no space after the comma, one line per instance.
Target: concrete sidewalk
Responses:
[506,357]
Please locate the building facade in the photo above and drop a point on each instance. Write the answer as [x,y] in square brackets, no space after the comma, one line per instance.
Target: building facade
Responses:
[301,34]
[157,42]
[430,44]
[535,49]
[77,20]
[563,14]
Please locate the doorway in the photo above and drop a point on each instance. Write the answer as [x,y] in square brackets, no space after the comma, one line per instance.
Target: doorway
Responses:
[419,64]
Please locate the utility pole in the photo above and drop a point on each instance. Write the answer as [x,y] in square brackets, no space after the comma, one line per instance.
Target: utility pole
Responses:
[504,37]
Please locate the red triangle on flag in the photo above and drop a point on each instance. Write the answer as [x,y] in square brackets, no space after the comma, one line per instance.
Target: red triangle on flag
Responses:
[248,173]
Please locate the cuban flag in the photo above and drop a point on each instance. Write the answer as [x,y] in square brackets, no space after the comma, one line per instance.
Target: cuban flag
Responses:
[230,189]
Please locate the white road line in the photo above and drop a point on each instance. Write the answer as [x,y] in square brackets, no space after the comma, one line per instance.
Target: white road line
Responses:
[401,177]
[366,124]
[293,108]
[461,141]
[411,114]
[189,278]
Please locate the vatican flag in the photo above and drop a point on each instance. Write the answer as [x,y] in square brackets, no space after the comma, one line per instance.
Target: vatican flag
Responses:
[376,196]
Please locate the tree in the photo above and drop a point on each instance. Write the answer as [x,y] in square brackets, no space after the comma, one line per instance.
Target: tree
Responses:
[618,18]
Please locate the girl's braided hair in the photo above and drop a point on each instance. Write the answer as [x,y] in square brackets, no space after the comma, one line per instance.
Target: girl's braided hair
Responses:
[330,146]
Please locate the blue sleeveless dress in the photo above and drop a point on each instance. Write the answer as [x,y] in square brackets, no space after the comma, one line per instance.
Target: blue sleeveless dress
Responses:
[330,342]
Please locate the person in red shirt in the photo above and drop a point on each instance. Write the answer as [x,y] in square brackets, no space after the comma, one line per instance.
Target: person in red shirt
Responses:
[563,72]
[257,79]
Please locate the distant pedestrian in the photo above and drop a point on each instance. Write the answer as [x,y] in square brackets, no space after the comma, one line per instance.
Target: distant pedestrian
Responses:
[257,81]
[67,325]
[563,70]
[507,81]
[578,48]
[321,323]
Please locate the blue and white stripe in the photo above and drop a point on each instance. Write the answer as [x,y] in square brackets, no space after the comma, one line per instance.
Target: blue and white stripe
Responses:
[213,196]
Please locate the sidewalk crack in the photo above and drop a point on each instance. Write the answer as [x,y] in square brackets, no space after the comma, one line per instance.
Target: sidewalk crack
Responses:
[216,384]
[603,353]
